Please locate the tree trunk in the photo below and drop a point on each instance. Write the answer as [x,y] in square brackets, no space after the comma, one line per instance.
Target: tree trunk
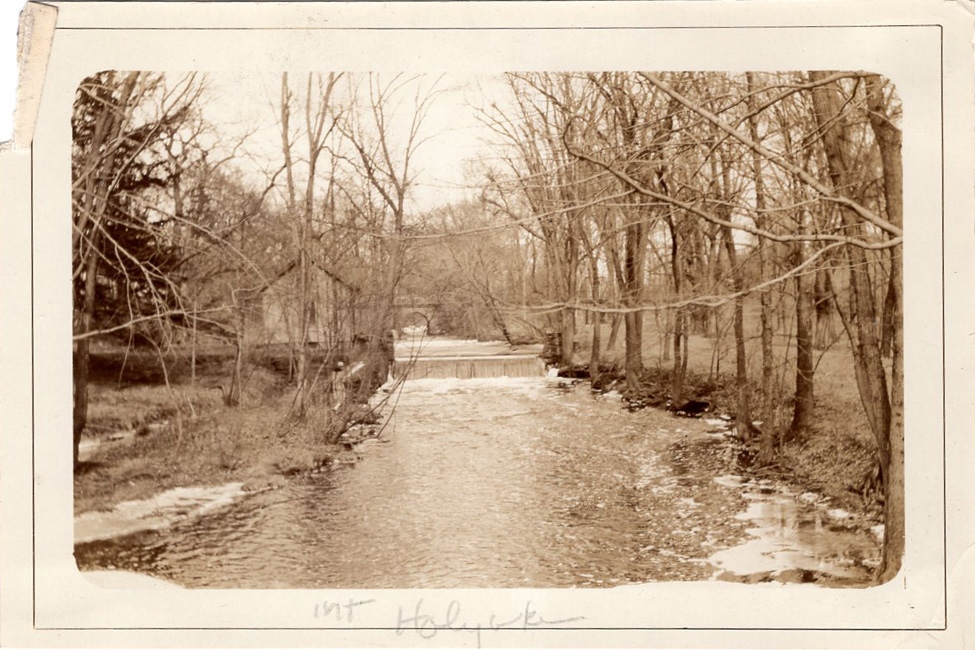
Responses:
[571,290]
[889,143]
[890,307]
[768,359]
[614,331]
[804,408]
[595,352]
[824,311]
[680,363]
[232,396]
[634,342]
[568,336]
[870,373]
[82,349]
[633,320]
[303,322]
[667,333]
[82,357]
[495,315]
[768,355]
[685,356]
[894,486]
[743,415]
[680,318]
[193,347]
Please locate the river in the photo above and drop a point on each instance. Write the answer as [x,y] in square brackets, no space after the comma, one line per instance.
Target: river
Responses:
[509,482]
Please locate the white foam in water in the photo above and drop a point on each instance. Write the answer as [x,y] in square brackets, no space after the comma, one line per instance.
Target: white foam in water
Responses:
[440,385]
[126,580]
[154,513]
[436,386]
[729,480]
[480,357]
[779,540]
[755,556]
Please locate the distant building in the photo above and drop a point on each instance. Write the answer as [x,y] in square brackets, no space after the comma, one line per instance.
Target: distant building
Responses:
[273,312]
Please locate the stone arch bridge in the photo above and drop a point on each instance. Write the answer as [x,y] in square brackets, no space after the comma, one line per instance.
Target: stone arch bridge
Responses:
[416,314]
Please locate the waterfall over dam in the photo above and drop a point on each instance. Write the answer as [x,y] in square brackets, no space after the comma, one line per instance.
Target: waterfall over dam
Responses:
[436,358]
[473,367]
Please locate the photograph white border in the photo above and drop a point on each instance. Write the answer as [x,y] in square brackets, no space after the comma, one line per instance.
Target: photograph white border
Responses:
[917,45]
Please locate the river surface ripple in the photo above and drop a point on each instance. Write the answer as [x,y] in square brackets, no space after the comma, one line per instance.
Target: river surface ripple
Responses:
[527,482]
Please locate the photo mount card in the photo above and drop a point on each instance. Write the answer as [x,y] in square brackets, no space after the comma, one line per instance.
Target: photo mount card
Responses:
[505,530]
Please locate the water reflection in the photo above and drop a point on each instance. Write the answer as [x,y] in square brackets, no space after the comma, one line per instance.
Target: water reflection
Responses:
[796,540]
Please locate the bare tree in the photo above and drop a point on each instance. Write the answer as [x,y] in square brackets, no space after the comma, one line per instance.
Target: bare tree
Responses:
[384,147]
[120,122]
[320,119]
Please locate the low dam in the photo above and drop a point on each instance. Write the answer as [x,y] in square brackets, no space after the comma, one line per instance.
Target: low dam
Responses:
[459,359]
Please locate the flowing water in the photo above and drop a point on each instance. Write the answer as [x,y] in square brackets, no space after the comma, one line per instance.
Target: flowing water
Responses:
[504,482]
[462,367]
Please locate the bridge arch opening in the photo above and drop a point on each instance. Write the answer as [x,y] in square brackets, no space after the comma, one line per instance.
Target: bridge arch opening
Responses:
[417,319]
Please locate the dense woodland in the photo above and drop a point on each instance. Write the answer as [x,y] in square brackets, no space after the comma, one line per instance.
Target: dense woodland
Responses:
[761,211]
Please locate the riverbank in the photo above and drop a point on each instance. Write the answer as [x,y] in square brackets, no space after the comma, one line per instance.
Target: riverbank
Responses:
[835,458]
[733,519]
[145,438]
[255,445]
[602,497]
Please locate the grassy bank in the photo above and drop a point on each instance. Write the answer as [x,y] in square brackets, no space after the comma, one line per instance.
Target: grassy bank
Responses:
[145,435]
[835,457]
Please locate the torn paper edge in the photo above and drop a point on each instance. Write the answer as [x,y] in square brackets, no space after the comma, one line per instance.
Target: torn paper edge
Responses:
[34,37]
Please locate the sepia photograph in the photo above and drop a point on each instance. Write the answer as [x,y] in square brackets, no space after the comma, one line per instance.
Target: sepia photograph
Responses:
[480,324]
[534,329]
